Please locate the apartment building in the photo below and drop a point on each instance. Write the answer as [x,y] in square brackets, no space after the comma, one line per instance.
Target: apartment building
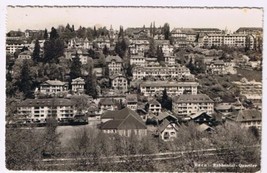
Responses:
[77,85]
[137,60]
[119,82]
[51,87]
[252,90]
[186,104]
[158,71]
[39,110]
[152,88]
[114,65]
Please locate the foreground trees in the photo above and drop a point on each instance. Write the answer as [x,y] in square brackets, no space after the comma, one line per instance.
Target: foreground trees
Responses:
[92,150]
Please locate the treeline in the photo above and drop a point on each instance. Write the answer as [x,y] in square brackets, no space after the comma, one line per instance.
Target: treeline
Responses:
[90,148]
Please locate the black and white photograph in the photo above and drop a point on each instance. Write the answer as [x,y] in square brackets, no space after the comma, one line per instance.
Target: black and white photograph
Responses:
[133,89]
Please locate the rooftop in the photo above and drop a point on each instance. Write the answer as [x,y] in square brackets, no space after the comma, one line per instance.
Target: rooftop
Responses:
[122,119]
[166,84]
[195,98]
[46,102]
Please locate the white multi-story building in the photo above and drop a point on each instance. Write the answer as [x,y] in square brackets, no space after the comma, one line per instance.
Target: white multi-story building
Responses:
[170,60]
[119,82]
[187,104]
[138,46]
[158,71]
[77,85]
[231,40]
[152,88]
[39,110]
[252,90]
[114,65]
[154,107]
[51,87]
[137,60]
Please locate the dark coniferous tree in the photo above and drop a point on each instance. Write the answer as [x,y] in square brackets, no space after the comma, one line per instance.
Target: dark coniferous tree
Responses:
[26,81]
[36,52]
[75,68]
[45,34]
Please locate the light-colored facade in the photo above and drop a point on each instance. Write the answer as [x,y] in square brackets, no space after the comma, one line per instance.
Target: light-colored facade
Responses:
[151,88]
[169,132]
[131,101]
[189,104]
[51,87]
[114,65]
[39,110]
[138,46]
[137,60]
[162,72]
[252,90]
[154,107]
[119,82]
[77,85]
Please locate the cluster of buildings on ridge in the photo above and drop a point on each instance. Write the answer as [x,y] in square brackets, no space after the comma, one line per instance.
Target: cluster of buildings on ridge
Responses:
[149,79]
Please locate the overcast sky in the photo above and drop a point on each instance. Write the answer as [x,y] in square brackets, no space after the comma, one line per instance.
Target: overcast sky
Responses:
[46,17]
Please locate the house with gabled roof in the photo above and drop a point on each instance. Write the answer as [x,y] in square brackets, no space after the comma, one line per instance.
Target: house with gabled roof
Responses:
[114,64]
[51,87]
[107,104]
[119,82]
[167,130]
[245,118]
[131,101]
[123,122]
[203,118]
[77,85]
[154,106]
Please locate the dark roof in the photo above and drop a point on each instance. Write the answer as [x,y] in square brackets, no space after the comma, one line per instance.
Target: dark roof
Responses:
[154,102]
[195,115]
[115,58]
[106,101]
[53,82]
[131,98]
[242,29]
[164,115]
[246,115]
[122,119]
[117,75]
[164,124]
[194,98]
[46,102]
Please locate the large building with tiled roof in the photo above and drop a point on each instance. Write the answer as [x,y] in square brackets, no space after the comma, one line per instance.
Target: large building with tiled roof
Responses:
[246,118]
[167,130]
[77,85]
[39,110]
[51,87]
[123,122]
[119,82]
[186,104]
[107,104]
[114,64]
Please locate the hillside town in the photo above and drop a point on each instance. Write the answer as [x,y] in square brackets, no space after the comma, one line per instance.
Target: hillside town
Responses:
[144,81]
